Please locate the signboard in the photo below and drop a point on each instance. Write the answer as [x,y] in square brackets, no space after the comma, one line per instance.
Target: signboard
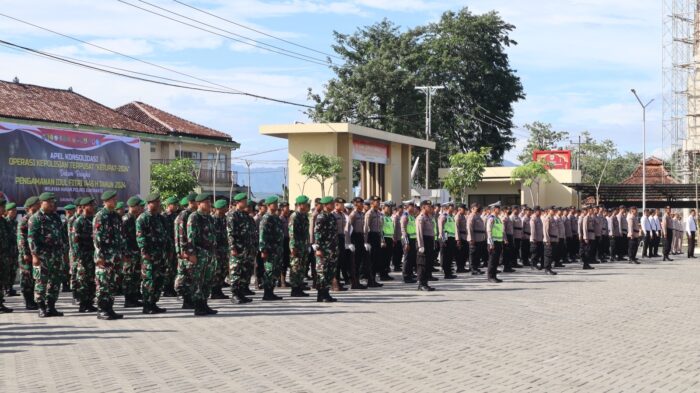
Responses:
[66,162]
[369,151]
[559,159]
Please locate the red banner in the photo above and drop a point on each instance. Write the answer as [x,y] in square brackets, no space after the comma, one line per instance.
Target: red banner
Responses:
[558,159]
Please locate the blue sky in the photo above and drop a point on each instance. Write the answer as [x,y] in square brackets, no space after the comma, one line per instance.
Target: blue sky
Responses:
[577,59]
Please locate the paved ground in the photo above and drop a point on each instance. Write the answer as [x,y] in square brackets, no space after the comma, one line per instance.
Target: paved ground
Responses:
[618,328]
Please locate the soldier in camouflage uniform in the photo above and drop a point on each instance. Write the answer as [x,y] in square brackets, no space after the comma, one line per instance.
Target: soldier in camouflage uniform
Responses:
[12,265]
[151,236]
[299,245]
[5,240]
[242,239]
[200,250]
[222,246]
[132,256]
[31,205]
[183,279]
[70,219]
[326,249]
[259,263]
[83,265]
[170,214]
[67,220]
[46,244]
[271,247]
[109,245]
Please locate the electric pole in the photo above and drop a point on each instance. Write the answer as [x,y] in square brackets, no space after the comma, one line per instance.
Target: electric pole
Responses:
[429,91]
[578,152]
[247,163]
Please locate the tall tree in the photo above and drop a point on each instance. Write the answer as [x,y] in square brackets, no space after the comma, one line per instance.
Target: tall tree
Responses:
[375,85]
[542,137]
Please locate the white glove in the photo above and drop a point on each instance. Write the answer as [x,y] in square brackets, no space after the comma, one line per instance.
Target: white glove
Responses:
[368,247]
[315,247]
[421,250]
[351,247]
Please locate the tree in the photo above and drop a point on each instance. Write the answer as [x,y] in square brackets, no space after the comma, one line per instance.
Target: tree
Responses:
[542,137]
[374,86]
[321,168]
[531,175]
[174,178]
[466,170]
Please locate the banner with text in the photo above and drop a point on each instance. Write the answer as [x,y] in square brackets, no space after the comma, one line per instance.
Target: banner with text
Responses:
[66,162]
[363,150]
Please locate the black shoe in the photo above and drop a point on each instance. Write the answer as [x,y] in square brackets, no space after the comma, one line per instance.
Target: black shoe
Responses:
[42,310]
[5,310]
[409,281]
[199,309]
[426,288]
[29,302]
[495,280]
[550,272]
[518,266]
[210,311]
[104,313]
[11,292]
[374,284]
[218,294]
[450,277]
[111,312]
[147,309]
[130,301]
[52,312]
[89,307]
[327,298]
[509,270]
[431,278]
[462,270]
[225,285]
[270,295]
[386,277]
[298,292]
[239,298]
[187,303]
[246,291]
[358,286]
[588,267]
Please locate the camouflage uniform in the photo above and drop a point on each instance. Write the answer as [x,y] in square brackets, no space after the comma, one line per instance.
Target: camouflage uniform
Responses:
[72,247]
[201,242]
[25,257]
[151,236]
[83,265]
[222,251]
[5,238]
[171,262]
[13,252]
[109,246]
[131,272]
[325,236]
[183,279]
[46,236]
[298,242]
[242,236]
[272,242]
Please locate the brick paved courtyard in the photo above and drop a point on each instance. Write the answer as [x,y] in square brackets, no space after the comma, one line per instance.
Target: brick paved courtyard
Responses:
[618,328]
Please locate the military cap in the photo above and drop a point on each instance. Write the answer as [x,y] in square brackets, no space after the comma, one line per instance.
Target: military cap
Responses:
[348,205]
[495,204]
[426,203]
[171,201]
[251,203]
[205,196]
[302,199]
[86,200]
[46,196]
[240,196]
[409,203]
[77,200]
[120,205]
[108,195]
[261,202]
[367,201]
[142,203]
[191,197]
[339,200]
[375,198]
[317,200]
[30,201]
[184,201]
[284,204]
[133,201]
[69,206]
[357,199]
[10,206]
[271,199]
[326,200]
[462,206]
[152,197]
[220,204]
[389,203]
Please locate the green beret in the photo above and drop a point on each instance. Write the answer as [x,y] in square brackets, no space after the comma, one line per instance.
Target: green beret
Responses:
[76,201]
[240,197]
[86,201]
[10,206]
[184,201]
[142,203]
[251,203]
[108,195]
[47,196]
[120,205]
[69,207]
[205,196]
[326,200]
[133,201]
[171,201]
[152,197]
[271,200]
[220,204]
[301,199]
[30,201]
[191,197]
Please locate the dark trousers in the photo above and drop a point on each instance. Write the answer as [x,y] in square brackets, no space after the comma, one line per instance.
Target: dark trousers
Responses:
[410,259]
[477,250]
[397,255]
[600,248]
[592,249]
[537,253]
[613,248]
[494,257]
[387,254]
[375,263]
[606,245]
[462,255]
[549,251]
[525,251]
[562,251]
[508,253]
[570,249]
[517,255]
[448,251]
[343,260]
[691,244]
[632,247]
[655,240]
[361,257]
[668,241]
[620,250]
[424,260]
[647,249]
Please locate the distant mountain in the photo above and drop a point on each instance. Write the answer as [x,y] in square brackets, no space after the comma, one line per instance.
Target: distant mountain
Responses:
[264,180]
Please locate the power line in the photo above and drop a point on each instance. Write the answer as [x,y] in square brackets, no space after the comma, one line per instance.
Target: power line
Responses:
[277,50]
[255,30]
[258,153]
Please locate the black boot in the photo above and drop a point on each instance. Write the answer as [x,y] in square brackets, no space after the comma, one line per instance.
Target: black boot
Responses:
[66,287]
[52,312]
[210,311]
[5,310]
[270,295]
[103,312]
[327,298]
[587,267]
[217,293]
[158,310]
[42,310]
[132,301]
[81,308]
[245,291]
[550,272]
[199,309]
[239,297]
[319,295]
[169,291]
[89,306]
[187,303]
[147,309]
[29,302]
[298,292]
[11,292]
[111,312]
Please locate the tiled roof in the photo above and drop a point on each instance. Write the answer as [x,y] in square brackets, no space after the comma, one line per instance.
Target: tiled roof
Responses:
[167,122]
[656,173]
[23,101]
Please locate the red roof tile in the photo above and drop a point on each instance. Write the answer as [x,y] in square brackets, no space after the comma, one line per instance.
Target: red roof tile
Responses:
[23,101]
[167,122]
[655,171]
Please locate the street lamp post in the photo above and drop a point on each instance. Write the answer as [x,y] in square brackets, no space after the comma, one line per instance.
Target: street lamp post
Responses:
[429,91]
[644,143]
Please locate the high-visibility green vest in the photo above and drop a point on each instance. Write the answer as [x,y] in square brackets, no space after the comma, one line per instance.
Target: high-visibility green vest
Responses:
[411,227]
[435,228]
[497,230]
[388,227]
[449,227]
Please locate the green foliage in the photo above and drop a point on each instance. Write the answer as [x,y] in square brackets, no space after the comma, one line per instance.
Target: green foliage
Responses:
[542,137]
[531,175]
[175,178]
[374,86]
[466,170]
[321,168]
